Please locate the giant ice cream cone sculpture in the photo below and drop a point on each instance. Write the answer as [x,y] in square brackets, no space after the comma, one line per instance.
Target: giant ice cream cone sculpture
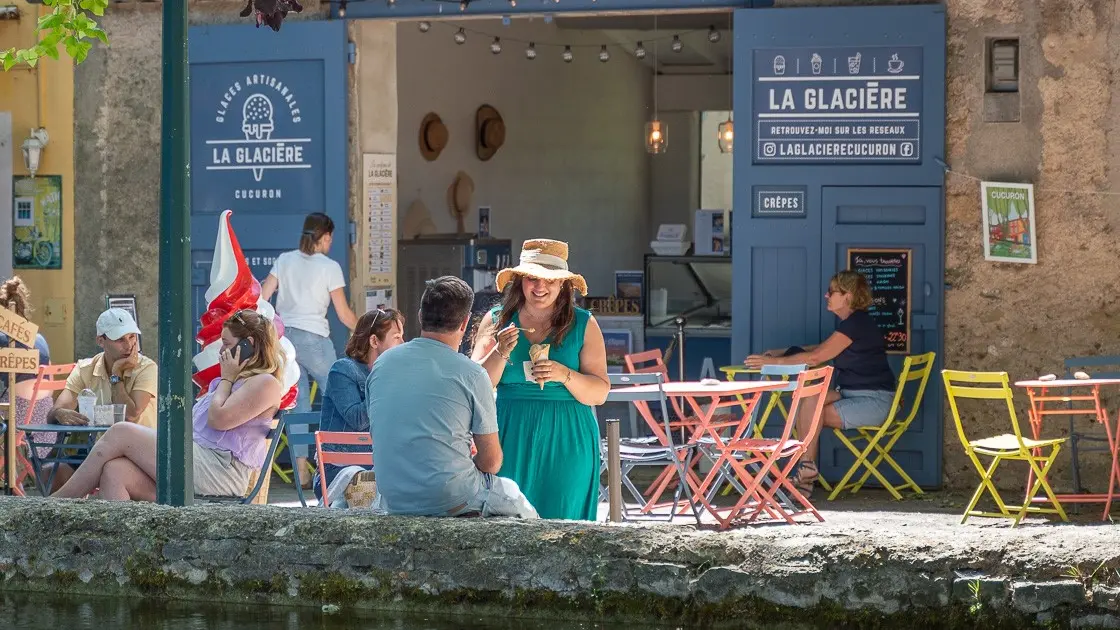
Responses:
[232,288]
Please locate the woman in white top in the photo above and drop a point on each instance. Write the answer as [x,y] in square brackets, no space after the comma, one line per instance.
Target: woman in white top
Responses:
[309,282]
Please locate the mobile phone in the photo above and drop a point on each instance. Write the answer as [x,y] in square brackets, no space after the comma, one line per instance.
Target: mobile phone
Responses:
[248,350]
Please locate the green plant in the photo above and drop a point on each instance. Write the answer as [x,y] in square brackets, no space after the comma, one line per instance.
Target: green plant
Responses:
[68,24]
[1076,573]
[977,605]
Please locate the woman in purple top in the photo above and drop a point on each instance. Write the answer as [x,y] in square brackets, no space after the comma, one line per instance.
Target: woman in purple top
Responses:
[863,382]
[231,422]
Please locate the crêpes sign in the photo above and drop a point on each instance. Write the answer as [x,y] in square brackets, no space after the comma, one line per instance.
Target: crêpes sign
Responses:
[19,361]
[17,328]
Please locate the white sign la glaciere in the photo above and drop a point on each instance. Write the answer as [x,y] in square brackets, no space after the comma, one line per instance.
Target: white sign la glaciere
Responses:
[249,109]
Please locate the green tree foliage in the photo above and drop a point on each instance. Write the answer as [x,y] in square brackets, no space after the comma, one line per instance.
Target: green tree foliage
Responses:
[70,25]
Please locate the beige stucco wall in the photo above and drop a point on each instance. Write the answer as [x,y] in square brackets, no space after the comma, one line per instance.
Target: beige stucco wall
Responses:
[1025,319]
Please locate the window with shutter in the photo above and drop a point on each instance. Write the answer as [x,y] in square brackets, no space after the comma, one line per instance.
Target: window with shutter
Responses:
[1003,65]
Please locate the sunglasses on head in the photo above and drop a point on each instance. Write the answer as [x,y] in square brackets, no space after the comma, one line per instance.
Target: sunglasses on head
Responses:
[239,316]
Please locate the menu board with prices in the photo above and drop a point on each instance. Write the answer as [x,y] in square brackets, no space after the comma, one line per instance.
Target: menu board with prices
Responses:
[888,272]
[379,195]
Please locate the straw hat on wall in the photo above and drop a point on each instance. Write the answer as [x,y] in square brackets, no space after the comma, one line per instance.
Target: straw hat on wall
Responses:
[433,136]
[490,132]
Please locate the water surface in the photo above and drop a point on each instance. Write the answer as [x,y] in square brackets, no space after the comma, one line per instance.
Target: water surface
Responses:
[26,611]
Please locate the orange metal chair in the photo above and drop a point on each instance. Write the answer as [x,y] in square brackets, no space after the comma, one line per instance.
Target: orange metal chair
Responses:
[46,380]
[774,460]
[352,438]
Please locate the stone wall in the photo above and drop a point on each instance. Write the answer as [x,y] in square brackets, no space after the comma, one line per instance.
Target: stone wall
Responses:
[871,570]
[1025,319]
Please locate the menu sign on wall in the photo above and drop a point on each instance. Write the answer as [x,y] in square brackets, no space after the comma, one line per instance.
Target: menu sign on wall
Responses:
[888,272]
[838,105]
[380,209]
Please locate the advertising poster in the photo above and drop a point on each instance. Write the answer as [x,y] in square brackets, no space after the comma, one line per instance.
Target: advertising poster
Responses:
[1009,222]
[37,222]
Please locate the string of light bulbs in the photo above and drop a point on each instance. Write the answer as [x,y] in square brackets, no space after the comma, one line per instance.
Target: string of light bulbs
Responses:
[638,45]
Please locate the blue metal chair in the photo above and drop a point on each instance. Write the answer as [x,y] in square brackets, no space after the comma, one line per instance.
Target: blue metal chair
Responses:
[300,430]
[1093,366]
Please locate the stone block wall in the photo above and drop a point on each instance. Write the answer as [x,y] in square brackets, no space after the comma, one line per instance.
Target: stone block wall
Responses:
[884,570]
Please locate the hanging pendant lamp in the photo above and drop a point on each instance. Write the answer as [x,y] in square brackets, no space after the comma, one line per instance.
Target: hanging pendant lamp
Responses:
[657,132]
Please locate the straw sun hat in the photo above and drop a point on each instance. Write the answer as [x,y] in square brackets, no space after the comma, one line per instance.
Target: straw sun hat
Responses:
[543,259]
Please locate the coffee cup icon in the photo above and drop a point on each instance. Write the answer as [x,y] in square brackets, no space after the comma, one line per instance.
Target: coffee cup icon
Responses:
[816,61]
[894,64]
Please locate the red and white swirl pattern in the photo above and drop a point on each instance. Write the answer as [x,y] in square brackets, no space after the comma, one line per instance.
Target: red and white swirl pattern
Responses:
[232,288]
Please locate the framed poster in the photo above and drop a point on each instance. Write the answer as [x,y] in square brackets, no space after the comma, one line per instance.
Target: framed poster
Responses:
[37,222]
[1009,222]
[619,342]
[888,273]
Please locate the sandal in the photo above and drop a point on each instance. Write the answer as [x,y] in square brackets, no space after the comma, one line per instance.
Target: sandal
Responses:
[804,477]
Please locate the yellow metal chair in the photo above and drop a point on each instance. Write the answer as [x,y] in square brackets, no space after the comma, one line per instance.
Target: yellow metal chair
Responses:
[1039,454]
[914,368]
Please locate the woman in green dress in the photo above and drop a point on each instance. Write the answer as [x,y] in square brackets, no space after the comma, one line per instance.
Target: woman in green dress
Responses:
[548,431]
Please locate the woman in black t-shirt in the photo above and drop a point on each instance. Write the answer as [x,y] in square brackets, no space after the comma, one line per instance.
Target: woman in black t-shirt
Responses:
[863,382]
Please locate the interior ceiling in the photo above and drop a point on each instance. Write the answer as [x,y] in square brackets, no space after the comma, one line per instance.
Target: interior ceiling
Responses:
[698,55]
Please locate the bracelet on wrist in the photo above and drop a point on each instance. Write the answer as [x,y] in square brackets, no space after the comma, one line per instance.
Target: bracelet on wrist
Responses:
[568,377]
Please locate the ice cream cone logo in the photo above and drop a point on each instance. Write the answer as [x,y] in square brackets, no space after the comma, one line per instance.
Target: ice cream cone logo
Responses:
[779,65]
[269,136]
[257,122]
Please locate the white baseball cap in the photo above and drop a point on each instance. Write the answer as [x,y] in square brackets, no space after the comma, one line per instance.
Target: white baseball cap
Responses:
[116,323]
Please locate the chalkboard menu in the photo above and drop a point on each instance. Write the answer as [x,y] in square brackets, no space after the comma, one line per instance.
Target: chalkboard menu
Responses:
[888,272]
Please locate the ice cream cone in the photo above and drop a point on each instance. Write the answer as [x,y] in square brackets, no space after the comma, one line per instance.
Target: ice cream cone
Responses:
[538,352]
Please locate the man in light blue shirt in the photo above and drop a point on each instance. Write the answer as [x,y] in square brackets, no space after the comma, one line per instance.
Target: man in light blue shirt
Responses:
[426,402]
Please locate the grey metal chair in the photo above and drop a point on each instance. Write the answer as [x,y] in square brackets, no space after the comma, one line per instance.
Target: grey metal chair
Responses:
[635,452]
[300,430]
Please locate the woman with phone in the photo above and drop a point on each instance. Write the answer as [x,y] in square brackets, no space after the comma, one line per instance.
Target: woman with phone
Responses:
[344,403]
[231,423]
